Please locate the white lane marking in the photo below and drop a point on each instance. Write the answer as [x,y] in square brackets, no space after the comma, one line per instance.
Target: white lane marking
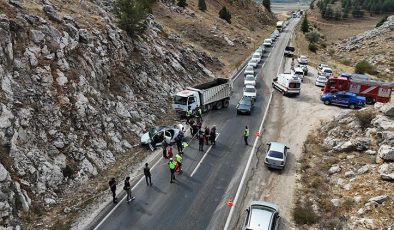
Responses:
[202,159]
[117,205]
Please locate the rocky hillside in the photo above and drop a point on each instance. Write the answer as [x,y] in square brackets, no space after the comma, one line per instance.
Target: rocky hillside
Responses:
[77,92]
[347,173]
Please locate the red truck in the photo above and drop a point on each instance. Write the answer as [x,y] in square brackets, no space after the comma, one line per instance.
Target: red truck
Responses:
[373,91]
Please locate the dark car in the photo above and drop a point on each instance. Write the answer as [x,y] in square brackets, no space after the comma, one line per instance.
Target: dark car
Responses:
[245,105]
[346,99]
[304,68]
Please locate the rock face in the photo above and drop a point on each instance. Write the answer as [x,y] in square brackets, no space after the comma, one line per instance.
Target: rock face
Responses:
[75,95]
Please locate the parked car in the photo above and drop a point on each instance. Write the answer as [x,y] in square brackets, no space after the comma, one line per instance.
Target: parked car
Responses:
[276,155]
[245,105]
[249,70]
[346,99]
[289,51]
[303,60]
[262,215]
[267,42]
[299,73]
[253,62]
[321,66]
[155,136]
[326,71]
[250,80]
[250,91]
[321,80]
[257,55]
[304,68]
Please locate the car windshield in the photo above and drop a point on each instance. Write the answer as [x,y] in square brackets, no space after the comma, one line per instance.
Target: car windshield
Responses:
[245,102]
[249,78]
[275,154]
[152,132]
[180,100]
[328,71]
[250,90]
[256,55]
[267,40]
[249,68]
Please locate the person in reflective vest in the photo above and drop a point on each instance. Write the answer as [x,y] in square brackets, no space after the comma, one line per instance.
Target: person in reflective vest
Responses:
[246,135]
[178,158]
[172,166]
[188,116]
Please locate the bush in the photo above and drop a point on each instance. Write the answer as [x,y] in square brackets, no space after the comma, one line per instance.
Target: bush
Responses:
[304,215]
[312,47]
[312,36]
[365,67]
[305,25]
[345,62]
[381,21]
[68,172]
[182,3]
[365,118]
[225,14]
[202,5]
[331,52]
[132,14]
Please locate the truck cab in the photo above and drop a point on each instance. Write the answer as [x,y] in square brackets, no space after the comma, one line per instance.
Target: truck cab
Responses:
[186,100]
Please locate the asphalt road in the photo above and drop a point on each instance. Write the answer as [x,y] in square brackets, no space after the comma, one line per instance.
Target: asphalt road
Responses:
[198,198]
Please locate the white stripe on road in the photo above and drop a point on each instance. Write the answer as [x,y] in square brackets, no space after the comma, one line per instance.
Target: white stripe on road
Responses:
[206,153]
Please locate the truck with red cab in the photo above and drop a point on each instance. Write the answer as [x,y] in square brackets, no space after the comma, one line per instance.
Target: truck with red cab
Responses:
[373,91]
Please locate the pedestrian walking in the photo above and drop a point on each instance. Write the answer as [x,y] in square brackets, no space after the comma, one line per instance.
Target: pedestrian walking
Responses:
[164,145]
[112,186]
[201,140]
[179,158]
[206,136]
[172,166]
[127,187]
[170,153]
[212,135]
[147,175]
[246,135]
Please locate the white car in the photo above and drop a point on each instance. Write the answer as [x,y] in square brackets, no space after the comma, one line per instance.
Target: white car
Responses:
[257,55]
[249,70]
[303,60]
[267,42]
[321,80]
[326,71]
[276,155]
[250,80]
[321,66]
[250,91]
[299,72]
[254,62]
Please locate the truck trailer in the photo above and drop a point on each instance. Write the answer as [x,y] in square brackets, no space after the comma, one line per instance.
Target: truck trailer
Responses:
[279,26]
[211,95]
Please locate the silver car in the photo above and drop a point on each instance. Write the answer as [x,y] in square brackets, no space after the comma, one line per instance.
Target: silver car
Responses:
[155,136]
[276,155]
[262,215]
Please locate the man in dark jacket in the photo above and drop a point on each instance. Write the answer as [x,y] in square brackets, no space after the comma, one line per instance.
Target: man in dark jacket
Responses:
[147,175]
[112,186]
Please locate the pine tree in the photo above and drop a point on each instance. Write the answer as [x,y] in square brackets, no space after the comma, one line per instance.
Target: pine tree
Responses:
[182,3]
[225,14]
[267,4]
[305,25]
[202,5]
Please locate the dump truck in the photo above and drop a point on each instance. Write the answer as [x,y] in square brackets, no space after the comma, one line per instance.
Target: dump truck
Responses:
[279,26]
[211,95]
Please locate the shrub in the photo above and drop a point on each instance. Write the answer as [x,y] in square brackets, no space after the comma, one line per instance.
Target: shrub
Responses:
[345,62]
[312,36]
[182,3]
[357,12]
[365,67]
[365,118]
[312,47]
[68,172]
[304,215]
[225,14]
[381,21]
[202,5]
[331,52]
[305,25]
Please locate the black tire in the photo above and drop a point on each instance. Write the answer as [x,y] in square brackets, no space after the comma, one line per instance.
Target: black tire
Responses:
[226,103]
[219,105]
[283,93]
[370,100]
[327,102]
[352,106]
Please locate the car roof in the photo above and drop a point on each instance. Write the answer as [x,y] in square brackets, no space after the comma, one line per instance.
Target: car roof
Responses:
[249,86]
[298,69]
[326,68]
[276,146]
[250,76]
[261,214]
[303,56]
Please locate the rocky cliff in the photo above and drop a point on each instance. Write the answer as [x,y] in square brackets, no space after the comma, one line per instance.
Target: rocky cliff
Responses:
[76,92]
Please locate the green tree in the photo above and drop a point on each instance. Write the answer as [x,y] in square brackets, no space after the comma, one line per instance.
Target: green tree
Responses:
[337,15]
[182,3]
[131,14]
[329,13]
[202,5]
[357,12]
[305,25]
[225,14]
[312,37]
[346,11]
[267,4]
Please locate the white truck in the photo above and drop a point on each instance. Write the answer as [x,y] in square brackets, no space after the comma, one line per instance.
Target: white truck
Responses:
[279,26]
[287,83]
[211,95]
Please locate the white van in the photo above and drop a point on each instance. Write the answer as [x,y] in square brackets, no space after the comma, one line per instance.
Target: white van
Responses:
[287,83]
[299,73]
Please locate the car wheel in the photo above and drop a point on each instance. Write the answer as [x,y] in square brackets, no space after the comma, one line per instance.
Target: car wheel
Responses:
[351,106]
[284,93]
[327,102]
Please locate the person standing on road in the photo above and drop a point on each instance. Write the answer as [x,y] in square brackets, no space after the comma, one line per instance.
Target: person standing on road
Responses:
[246,135]
[112,186]
[206,135]
[164,146]
[172,166]
[170,153]
[127,187]
[199,112]
[188,116]
[212,135]
[178,158]
[201,139]
[147,175]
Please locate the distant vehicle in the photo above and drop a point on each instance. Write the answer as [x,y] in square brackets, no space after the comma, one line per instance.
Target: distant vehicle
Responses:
[250,91]
[273,37]
[262,215]
[304,68]
[267,42]
[321,80]
[256,55]
[346,75]
[321,66]
[326,71]
[303,60]
[287,83]
[299,73]
[276,155]
[214,94]
[155,136]
[346,99]
[254,62]
[250,80]
[373,91]
[279,26]
[289,51]
[249,70]
[294,15]
[245,105]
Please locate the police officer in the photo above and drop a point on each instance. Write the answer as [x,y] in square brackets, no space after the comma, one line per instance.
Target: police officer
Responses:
[246,135]
[172,166]
[188,116]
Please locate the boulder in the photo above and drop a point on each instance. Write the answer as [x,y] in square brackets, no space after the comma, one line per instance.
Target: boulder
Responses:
[334,169]
[349,173]
[336,202]
[379,199]
[383,123]
[37,36]
[4,175]
[388,109]
[386,171]
[51,13]
[386,152]
[363,169]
